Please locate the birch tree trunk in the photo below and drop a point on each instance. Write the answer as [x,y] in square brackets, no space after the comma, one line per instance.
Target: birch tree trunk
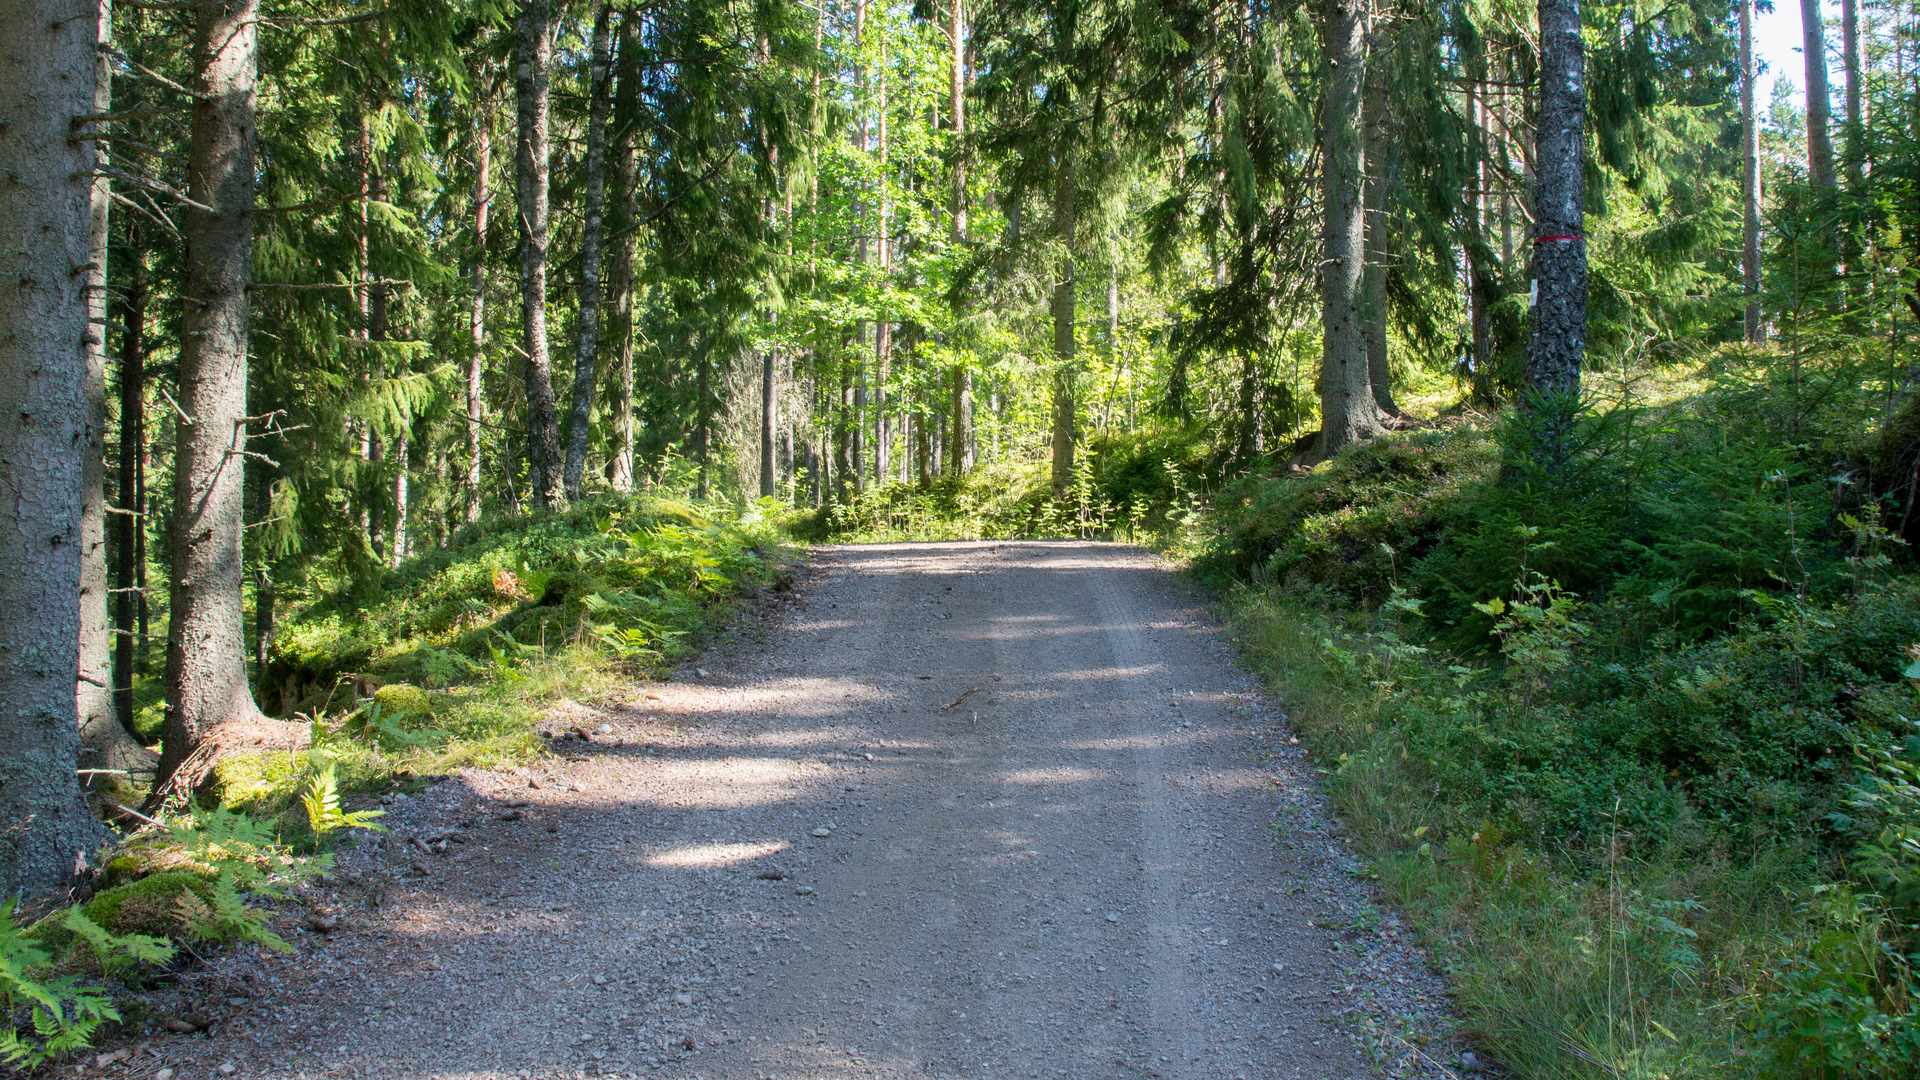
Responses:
[209,706]
[1557,345]
[1347,410]
[48,66]
[1756,327]
[477,358]
[533,56]
[587,351]
[1819,96]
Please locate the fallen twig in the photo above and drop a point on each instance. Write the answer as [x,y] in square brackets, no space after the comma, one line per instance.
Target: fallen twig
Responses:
[960,699]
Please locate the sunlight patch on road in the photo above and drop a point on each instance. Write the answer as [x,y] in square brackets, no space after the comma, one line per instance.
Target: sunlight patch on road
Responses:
[1126,742]
[702,856]
[1064,774]
[735,781]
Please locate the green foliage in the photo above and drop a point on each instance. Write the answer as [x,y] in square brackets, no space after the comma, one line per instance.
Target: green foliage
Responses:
[636,575]
[1602,718]
[322,803]
[62,1013]
[1845,1004]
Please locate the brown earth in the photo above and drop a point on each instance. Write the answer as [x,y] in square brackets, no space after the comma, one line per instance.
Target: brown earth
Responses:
[984,810]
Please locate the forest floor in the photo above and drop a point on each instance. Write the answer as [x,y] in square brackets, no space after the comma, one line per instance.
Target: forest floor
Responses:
[984,810]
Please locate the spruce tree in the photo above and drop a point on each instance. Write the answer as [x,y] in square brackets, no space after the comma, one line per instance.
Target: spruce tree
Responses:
[46,211]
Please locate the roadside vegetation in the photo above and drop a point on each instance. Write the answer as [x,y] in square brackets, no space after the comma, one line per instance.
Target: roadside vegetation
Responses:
[1632,740]
[451,660]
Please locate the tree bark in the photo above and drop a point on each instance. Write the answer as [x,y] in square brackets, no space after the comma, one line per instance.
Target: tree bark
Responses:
[1347,410]
[106,742]
[957,124]
[1063,312]
[1854,62]
[46,213]
[883,259]
[626,119]
[1756,327]
[1479,277]
[401,543]
[209,706]
[533,56]
[768,479]
[1819,96]
[133,446]
[373,327]
[1373,286]
[1557,345]
[587,353]
[1251,445]
[477,358]
[703,414]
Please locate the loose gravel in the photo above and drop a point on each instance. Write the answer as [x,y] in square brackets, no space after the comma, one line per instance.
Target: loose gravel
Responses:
[967,810]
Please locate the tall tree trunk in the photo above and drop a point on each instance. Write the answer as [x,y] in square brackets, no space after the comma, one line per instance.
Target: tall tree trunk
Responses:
[587,355]
[377,327]
[1855,64]
[133,446]
[49,67]
[883,257]
[957,123]
[768,479]
[1479,275]
[703,415]
[626,118]
[1756,327]
[1819,96]
[1558,343]
[373,327]
[1347,411]
[1063,304]
[106,742]
[477,358]
[840,415]
[533,56]
[1373,285]
[926,417]
[209,706]
[400,462]
[1251,445]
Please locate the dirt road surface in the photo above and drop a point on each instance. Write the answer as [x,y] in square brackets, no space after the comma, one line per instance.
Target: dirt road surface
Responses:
[982,810]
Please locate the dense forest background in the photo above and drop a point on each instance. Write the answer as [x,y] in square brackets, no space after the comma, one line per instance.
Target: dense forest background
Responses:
[1539,400]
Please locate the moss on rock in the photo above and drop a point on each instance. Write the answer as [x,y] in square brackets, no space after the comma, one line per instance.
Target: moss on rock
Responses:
[147,906]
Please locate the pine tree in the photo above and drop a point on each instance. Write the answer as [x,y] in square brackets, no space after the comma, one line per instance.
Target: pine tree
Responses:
[1819,96]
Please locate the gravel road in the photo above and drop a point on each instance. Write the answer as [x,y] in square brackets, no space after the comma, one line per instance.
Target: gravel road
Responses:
[984,810]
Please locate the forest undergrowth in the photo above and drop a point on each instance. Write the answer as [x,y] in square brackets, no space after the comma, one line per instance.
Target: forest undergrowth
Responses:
[1630,736]
[451,660]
